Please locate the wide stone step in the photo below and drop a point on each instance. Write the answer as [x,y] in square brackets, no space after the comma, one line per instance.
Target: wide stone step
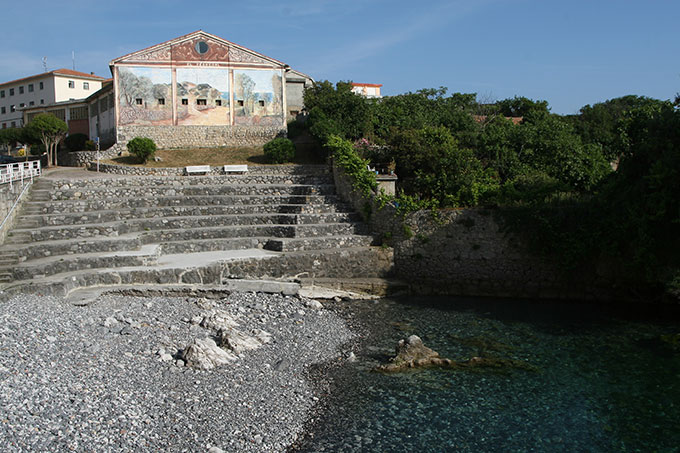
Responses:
[183,181]
[361,262]
[73,206]
[147,256]
[104,216]
[81,231]
[171,191]
[317,243]
[37,250]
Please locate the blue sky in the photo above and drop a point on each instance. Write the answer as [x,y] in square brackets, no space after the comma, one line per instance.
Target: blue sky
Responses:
[568,53]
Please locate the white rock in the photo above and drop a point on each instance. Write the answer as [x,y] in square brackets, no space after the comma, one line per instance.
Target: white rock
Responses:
[204,354]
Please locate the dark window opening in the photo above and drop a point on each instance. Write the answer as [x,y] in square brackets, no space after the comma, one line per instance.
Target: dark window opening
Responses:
[31,103]
[201,47]
[201,102]
[71,84]
[218,102]
[139,101]
[261,103]
[21,90]
[161,101]
[41,85]
[11,91]
[240,103]
[30,88]
[185,101]
[42,101]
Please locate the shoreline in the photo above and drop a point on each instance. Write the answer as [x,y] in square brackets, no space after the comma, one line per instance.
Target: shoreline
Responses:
[109,377]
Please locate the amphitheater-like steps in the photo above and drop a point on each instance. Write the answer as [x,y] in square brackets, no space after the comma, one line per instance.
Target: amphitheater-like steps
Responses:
[273,222]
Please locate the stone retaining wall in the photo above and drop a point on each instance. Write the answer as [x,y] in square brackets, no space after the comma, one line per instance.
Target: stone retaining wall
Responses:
[467,252]
[170,137]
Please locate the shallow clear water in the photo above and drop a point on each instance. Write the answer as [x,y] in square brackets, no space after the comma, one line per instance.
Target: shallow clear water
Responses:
[603,380]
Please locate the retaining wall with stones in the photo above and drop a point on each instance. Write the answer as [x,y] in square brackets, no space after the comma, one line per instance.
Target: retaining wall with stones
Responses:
[170,137]
[467,252]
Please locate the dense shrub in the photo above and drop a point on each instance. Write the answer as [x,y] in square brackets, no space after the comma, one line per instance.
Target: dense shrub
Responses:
[76,142]
[141,147]
[279,151]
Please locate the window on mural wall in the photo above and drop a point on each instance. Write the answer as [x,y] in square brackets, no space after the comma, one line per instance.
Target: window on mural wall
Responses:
[218,102]
[185,101]
[161,101]
[200,102]
[139,101]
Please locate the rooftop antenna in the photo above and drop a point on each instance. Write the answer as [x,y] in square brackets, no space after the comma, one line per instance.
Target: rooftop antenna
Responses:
[73,57]
[45,63]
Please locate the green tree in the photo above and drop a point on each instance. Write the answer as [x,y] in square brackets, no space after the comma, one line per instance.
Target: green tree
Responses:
[50,130]
[8,137]
[336,111]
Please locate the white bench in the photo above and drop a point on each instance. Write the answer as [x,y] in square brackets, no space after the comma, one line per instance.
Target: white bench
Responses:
[192,169]
[235,168]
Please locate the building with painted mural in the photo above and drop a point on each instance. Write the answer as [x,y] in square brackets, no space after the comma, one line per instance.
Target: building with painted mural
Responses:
[201,90]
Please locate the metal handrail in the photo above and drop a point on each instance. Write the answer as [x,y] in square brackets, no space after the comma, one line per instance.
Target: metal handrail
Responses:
[19,171]
[16,202]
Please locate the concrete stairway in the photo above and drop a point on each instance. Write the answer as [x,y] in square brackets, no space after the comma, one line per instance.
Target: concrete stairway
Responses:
[82,229]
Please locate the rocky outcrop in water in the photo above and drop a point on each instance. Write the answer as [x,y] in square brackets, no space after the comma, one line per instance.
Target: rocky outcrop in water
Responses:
[412,353]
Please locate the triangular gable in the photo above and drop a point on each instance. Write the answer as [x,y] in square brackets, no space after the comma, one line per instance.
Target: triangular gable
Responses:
[187,49]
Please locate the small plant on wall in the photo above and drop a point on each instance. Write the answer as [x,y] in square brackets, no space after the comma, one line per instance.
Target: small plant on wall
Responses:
[142,148]
[279,151]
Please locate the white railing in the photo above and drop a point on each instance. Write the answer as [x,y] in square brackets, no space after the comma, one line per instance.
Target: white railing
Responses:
[19,171]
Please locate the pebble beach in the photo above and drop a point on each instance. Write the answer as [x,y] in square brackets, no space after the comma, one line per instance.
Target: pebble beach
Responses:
[110,376]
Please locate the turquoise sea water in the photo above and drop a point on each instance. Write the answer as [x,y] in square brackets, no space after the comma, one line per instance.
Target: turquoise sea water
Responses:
[602,379]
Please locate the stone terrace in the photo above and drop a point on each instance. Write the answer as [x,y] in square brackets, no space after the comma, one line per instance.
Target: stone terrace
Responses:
[82,229]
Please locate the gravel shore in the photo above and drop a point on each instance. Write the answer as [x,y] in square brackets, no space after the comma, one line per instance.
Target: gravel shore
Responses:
[109,376]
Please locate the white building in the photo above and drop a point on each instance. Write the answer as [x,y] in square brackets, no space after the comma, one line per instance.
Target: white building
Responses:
[43,89]
[369,90]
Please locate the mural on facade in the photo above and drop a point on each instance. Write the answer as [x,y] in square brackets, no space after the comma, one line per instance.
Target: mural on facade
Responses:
[202,96]
[258,97]
[144,96]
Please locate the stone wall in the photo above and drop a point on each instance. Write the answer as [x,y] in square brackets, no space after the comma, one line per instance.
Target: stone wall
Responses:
[82,158]
[172,137]
[467,252]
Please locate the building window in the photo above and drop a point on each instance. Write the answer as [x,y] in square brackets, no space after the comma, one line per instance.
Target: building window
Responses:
[4,125]
[185,101]
[14,124]
[31,103]
[2,93]
[12,109]
[11,91]
[22,105]
[139,101]
[3,110]
[21,90]
[71,84]
[86,86]
[161,101]
[240,102]
[261,103]
[78,113]
[200,102]
[30,88]
[41,85]
[218,102]
[42,101]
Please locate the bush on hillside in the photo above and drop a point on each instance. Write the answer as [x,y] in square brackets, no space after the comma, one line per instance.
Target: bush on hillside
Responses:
[279,151]
[75,142]
[141,147]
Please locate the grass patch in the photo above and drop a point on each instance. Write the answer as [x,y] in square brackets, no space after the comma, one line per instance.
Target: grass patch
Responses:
[215,157]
